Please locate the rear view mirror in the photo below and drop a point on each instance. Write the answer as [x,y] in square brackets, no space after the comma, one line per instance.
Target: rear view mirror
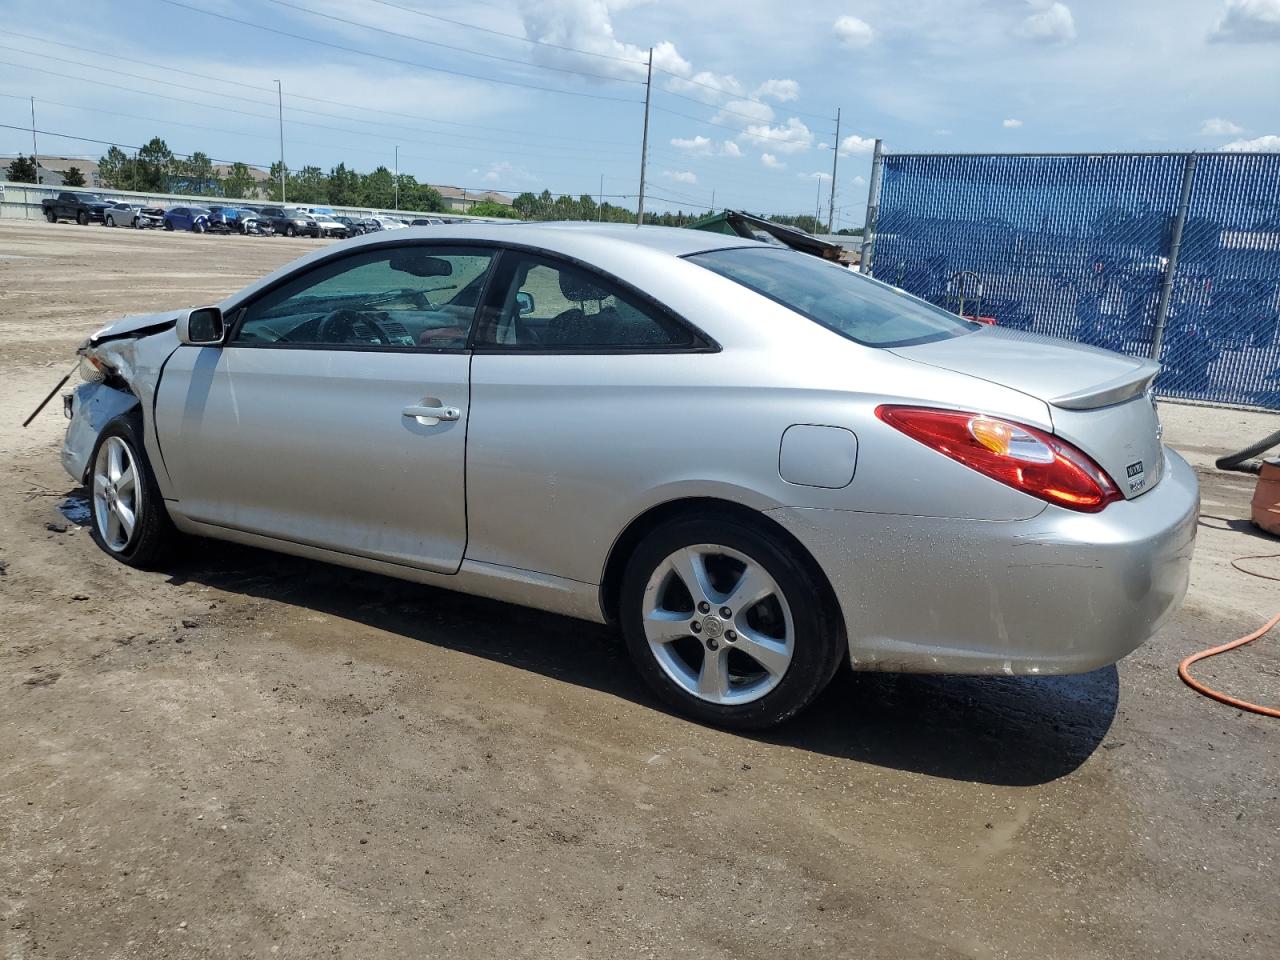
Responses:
[201,327]
[525,302]
[415,262]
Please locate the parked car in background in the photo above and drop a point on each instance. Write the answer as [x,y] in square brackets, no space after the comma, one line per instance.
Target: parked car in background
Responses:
[80,207]
[389,223]
[127,214]
[288,221]
[750,514]
[226,219]
[195,219]
[355,225]
[426,221]
[325,227]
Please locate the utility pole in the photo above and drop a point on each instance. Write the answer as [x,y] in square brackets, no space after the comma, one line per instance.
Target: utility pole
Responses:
[817,204]
[600,205]
[713,199]
[835,159]
[397,178]
[644,141]
[870,222]
[280,104]
[35,156]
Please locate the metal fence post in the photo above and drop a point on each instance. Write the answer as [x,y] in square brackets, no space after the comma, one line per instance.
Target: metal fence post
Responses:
[873,209]
[1175,248]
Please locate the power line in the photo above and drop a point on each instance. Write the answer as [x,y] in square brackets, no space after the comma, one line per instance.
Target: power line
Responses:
[510,36]
[722,126]
[407,63]
[291,96]
[447,46]
[209,106]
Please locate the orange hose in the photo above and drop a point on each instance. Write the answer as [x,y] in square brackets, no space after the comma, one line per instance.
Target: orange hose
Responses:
[1199,687]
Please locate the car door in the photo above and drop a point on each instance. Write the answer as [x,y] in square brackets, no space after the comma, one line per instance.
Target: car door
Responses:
[335,414]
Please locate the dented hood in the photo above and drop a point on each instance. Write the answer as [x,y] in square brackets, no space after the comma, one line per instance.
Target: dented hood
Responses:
[138,325]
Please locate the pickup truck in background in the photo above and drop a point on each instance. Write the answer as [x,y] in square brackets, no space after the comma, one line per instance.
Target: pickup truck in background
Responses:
[80,207]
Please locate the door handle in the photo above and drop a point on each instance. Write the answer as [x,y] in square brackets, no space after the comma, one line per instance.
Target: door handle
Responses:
[430,416]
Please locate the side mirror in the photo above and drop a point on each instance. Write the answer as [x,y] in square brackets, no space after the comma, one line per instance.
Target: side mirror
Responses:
[525,302]
[201,327]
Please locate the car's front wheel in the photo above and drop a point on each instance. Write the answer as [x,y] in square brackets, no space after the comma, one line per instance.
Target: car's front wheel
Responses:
[110,221]
[728,622]
[51,216]
[130,521]
[290,231]
[82,218]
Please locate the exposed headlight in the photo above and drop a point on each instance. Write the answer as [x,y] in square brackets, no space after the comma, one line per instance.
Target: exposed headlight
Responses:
[92,370]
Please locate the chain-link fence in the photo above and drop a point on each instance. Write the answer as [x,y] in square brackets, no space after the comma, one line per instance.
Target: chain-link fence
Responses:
[1168,255]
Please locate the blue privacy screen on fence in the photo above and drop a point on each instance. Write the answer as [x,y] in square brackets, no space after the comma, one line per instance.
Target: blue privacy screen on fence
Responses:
[1088,248]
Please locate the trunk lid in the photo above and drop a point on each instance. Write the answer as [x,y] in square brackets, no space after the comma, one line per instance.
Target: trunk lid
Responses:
[1098,400]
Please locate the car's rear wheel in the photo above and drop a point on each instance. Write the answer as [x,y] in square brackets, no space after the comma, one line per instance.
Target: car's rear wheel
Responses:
[130,521]
[727,622]
[82,218]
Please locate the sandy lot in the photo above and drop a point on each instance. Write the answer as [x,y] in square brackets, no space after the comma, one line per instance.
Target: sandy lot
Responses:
[255,756]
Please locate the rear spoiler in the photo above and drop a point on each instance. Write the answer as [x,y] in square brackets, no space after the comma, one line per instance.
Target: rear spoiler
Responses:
[1118,390]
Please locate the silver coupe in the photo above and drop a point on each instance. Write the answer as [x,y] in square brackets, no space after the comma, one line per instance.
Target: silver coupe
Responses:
[758,464]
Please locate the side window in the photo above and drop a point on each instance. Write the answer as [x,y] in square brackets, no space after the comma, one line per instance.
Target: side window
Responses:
[398,297]
[551,305]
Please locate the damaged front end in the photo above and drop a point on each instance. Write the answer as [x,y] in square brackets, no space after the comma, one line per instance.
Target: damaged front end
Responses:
[121,366]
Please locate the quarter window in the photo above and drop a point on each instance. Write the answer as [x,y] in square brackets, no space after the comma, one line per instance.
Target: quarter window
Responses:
[410,296]
[551,305]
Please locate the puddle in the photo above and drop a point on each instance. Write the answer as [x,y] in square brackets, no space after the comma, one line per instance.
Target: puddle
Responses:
[77,510]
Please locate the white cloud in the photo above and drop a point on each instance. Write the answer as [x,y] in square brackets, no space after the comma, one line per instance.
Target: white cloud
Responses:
[1050,23]
[1220,127]
[587,25]
[735,111]
[853,33]
[816,175]
[853,144]
[772,162]
[705,83]
[730,149]
[859,181]
[697,145]
[1248,21]
[681,176]
[784,91]
[791,137]
[502,171]
[1266,144]
[1011,124]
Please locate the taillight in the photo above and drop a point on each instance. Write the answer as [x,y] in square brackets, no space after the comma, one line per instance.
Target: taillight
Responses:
[1022,457]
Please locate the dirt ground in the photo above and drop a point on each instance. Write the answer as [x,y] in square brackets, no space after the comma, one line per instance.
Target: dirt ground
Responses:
[252,756]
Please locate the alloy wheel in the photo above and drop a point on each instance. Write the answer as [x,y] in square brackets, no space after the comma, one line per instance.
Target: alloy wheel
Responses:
[117,498]
[718,624]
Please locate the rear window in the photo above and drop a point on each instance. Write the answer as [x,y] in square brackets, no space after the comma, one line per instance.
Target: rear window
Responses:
[854,306]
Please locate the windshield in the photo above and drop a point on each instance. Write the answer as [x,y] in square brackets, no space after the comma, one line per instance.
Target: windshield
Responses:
[854,306]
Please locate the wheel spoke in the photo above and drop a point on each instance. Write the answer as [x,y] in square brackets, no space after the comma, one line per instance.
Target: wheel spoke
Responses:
[100,483]
[664,626]
[126,517]
[752,587]
[713,678]
[690,568]
[125,484]
[114,467]
[113,527]
[771,654]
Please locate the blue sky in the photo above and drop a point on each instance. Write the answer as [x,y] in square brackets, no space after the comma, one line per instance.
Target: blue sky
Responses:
[744,93]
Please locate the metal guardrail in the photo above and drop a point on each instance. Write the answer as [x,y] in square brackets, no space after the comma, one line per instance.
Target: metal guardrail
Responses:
[1174,255]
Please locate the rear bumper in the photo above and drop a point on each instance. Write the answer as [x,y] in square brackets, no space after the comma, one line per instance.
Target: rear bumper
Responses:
[1062,592]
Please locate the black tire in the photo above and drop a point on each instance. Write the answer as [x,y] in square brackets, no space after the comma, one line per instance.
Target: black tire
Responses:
[197,227]
[289,231]
[154,539]
[109,221]
[82,218]
[819,644]
[168,225]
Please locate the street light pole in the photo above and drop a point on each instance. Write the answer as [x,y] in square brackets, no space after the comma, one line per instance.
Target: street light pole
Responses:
[35,154]
[280,104]
[835,159]
[397,177]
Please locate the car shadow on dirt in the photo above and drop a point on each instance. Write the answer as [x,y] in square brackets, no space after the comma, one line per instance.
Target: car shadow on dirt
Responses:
[996,730]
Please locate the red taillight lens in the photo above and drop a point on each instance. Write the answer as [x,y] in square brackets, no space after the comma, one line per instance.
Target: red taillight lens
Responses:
[1023,457]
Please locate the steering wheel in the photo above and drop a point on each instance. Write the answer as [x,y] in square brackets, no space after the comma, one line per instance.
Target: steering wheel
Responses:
[340,326]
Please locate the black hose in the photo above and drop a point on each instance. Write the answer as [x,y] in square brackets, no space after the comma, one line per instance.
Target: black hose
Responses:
[1236,461]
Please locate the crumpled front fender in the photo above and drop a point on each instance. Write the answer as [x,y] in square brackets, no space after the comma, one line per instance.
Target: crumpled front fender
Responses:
[93,406]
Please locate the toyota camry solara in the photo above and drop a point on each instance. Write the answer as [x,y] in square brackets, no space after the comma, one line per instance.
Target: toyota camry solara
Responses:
[755,462]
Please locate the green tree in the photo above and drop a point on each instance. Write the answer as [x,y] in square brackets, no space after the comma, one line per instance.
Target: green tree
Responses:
[491,208]
[73,177]
[194,175]
[154,166]
[239,183]
[587,208]
[116,169]
[273,183]
[526,205]
[309,185]
[419,196]
[344,186]
[377,189]
[22,170]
